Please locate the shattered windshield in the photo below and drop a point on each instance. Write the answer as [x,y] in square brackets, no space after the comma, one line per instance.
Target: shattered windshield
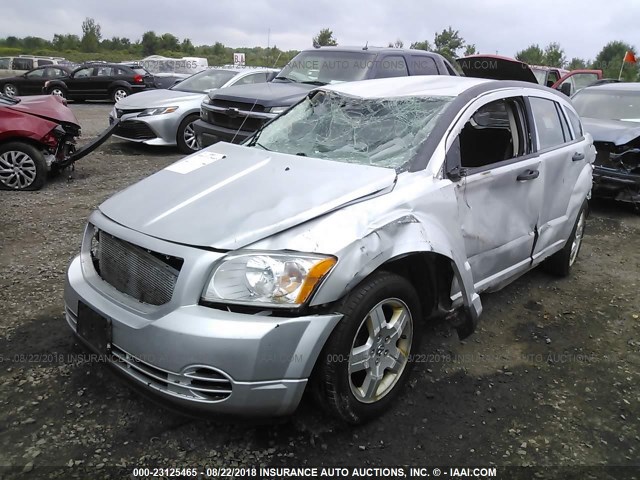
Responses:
[380,132]
[323,67]
[609,105]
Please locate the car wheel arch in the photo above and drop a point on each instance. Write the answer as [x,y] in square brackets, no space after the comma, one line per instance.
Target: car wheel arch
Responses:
[425,267]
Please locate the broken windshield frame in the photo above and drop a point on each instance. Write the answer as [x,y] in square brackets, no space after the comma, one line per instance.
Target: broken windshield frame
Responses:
[383,132]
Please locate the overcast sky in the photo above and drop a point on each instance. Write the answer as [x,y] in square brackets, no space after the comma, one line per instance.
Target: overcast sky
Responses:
[581,27]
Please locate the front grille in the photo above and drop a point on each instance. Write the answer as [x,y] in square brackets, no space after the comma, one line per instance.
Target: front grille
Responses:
[120,112]
[147,276]
[198,382]
[250,124]
[135,130]
[248,107]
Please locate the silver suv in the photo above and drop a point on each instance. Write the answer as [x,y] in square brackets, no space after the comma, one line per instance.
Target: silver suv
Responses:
[312,255]
[28,62]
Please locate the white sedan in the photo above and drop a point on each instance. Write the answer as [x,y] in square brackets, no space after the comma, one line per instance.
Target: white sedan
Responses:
[165,116]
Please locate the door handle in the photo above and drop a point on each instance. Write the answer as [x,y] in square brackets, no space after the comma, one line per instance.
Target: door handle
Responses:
[528,175]
[577,157]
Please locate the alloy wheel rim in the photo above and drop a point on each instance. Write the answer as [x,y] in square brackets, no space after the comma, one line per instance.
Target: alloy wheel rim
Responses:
[10,91]
[57,92]
[380,350]
[120,94]
[17,169]
[190,137]
[577,240]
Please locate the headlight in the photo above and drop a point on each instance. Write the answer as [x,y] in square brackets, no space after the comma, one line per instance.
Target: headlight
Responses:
[277,110]
[267,279]
[157,111]
[207,100]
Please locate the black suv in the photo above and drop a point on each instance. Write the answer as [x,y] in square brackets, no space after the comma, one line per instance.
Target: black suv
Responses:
[101,81]
[235,113]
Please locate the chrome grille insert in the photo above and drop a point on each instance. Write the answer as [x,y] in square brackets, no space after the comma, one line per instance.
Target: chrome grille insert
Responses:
[147,276]
[198,382]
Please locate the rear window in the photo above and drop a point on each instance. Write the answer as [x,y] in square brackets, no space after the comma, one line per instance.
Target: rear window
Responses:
[423,65]
[22,63]
[575,123]
[140,71]
[549,126]
[392,66]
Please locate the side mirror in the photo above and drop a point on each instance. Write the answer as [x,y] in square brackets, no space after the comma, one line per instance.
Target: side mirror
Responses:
[566,88]
[456,173]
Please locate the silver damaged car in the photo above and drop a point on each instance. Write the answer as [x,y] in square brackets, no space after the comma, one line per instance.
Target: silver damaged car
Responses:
[311,256]
[166,116]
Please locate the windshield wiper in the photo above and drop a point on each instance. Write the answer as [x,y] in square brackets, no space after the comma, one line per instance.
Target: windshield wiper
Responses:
[315,82]
[287,79]
[260,145]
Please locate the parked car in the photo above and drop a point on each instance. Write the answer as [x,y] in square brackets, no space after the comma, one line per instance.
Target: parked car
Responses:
[32,82]
[101,81]
[234,114]
[611,114]
[28,62]
[497,67]
[37,136]
[166,116]
[311,256]
[548,76]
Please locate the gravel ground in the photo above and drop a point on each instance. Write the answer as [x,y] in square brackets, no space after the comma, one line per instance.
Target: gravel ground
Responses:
[550,377]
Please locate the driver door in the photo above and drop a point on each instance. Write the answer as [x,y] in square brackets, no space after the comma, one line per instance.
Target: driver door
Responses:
[498,189]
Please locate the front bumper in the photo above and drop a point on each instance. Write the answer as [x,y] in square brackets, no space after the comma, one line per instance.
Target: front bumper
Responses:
[208,134]
[615,183]
[254,364]
[159,130]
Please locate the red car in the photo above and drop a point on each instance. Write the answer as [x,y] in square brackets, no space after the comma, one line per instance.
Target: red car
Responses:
[37,136]
[497,67]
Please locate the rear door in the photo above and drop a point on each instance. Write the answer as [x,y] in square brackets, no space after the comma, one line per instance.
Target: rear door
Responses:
[104,77]
[577,80]
[564,154]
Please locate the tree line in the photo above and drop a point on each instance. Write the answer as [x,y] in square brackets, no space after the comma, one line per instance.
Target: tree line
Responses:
[449,43]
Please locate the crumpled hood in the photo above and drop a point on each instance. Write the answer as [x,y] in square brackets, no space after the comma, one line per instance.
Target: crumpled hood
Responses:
[617,132]
[46,106]
[229,196]
[158,98]
[270,94]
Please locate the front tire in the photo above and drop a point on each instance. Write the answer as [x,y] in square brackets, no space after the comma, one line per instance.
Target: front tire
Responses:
[560,263]
[10,90]
[22,167]
[367,359]
[186,136]
[57,91]
[119,93]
